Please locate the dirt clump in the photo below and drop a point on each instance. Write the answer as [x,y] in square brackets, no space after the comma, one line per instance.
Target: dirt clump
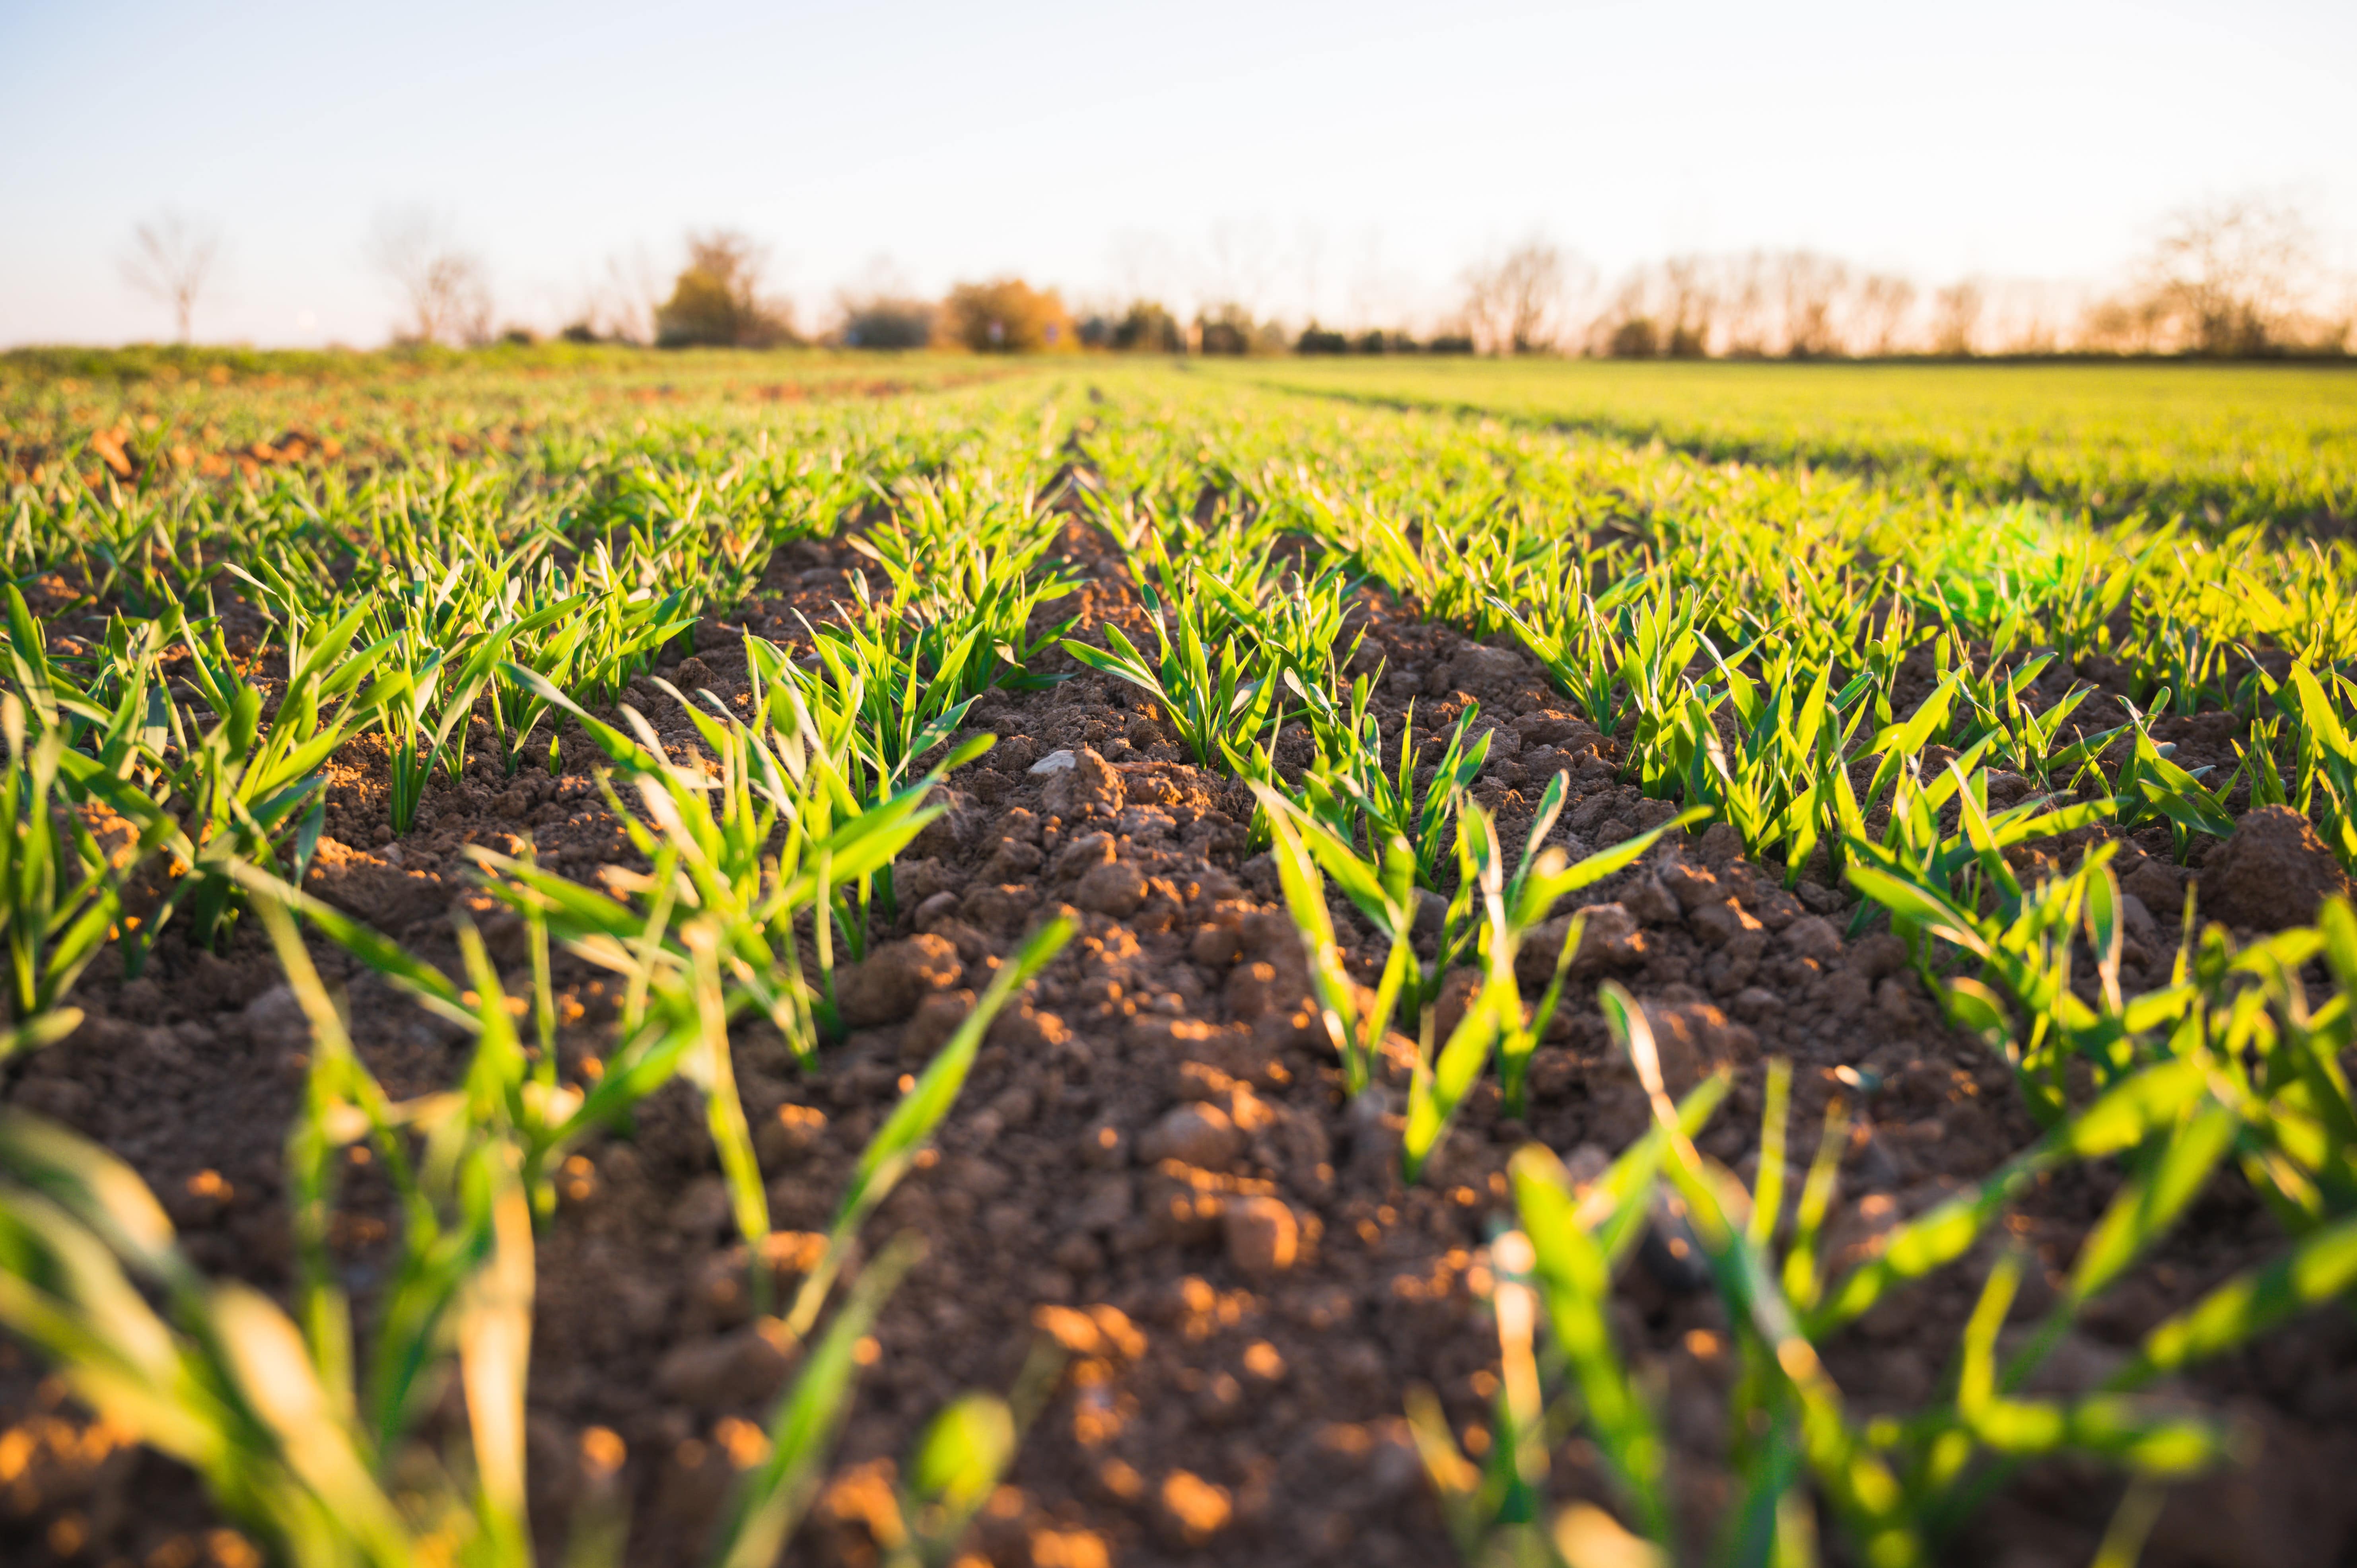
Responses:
[2272,873]
[1157,1163]
[891,982]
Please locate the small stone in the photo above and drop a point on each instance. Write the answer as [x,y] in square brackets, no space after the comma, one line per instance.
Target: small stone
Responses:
[2272,874]
[1197,1134]
[1263,1236]
[1060,760]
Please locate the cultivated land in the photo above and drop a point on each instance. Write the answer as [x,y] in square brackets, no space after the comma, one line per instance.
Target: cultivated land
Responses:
[669,960]
[2222,444]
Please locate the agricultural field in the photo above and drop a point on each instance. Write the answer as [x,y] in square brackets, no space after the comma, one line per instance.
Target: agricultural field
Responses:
[2225,445]
[1083,962]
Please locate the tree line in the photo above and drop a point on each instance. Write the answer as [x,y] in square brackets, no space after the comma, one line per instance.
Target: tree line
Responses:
[2236,278]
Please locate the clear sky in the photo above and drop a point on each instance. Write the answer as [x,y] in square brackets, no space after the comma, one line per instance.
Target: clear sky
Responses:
[1346,160]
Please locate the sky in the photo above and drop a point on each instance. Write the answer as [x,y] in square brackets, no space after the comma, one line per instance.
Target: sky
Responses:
[1345,161]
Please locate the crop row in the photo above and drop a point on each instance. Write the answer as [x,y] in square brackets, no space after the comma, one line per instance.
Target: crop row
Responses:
[1850,674]
[2221,445]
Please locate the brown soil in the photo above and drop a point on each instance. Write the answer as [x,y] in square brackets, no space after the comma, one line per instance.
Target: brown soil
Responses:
[1154,1163]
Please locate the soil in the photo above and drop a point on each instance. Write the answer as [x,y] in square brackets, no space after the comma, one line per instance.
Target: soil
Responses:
[1154,1164]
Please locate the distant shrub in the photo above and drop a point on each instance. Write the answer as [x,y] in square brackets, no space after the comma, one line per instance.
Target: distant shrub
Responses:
[717,299]
[1005,315]
[1635,338]
[1451,343]
[883,322]
[1231,329]
[1316,339]
[1147,328]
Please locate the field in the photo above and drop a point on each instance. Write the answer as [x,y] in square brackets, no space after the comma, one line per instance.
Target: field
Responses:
[2224,444]
[725,959]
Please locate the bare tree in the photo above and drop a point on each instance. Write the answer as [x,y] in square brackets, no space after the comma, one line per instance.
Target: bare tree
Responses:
[1245,261]
[620,306]
[1746,298]
[2132,323]
[1690,304]
[170,258]
[442,285]
[2229,273]
[1884,302]
[1956,316]
[1511,303]
[1808,286]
